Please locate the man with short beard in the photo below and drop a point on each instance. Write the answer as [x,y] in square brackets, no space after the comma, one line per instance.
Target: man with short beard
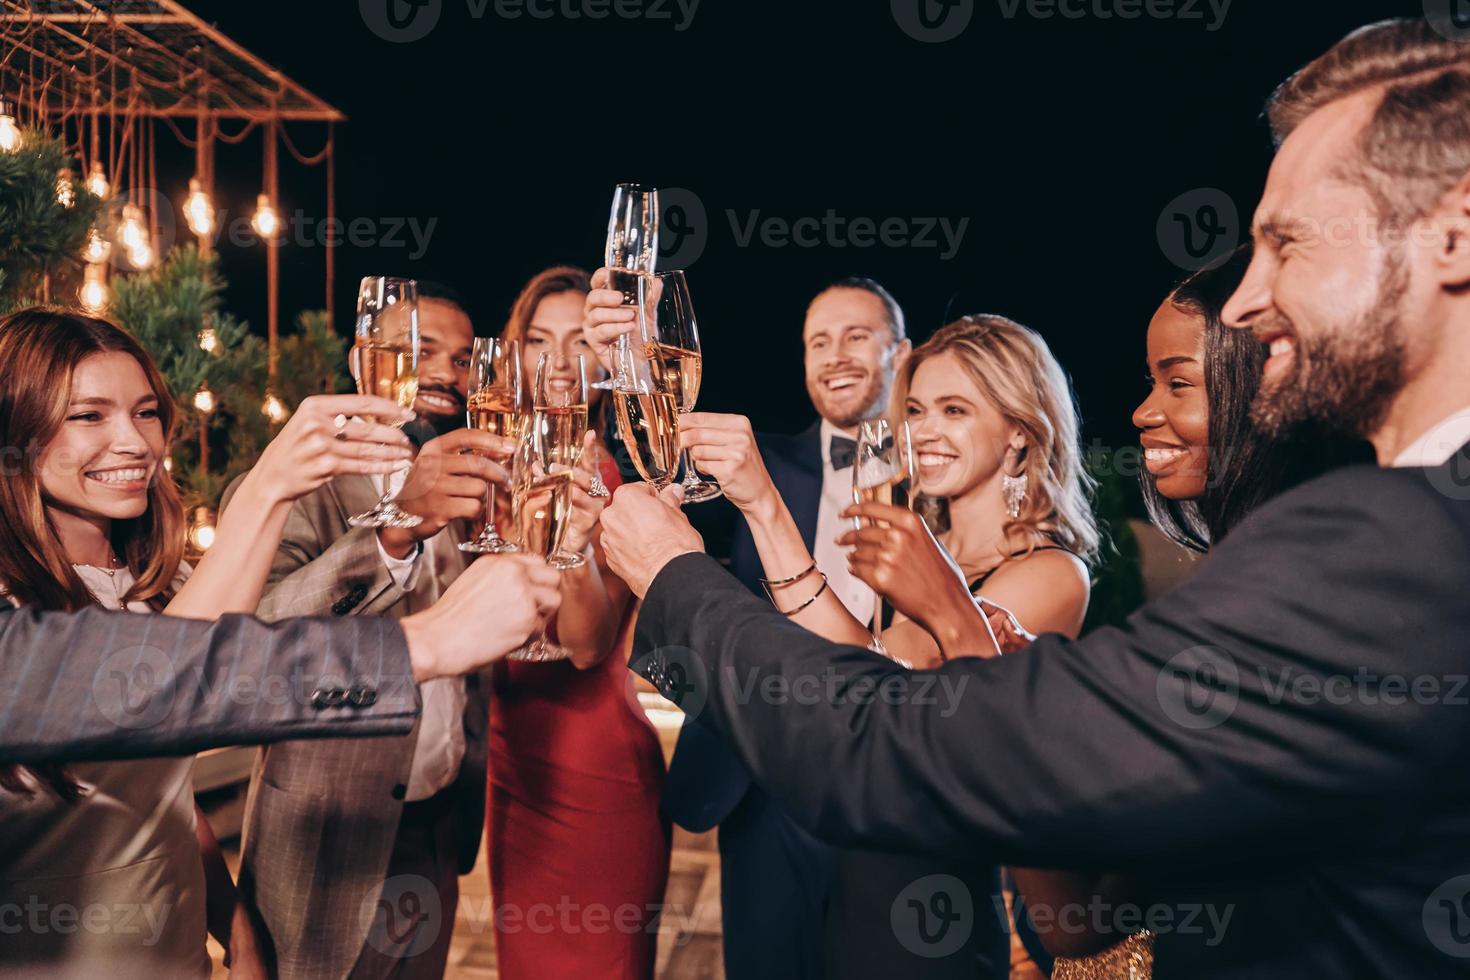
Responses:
[338,829]
[774,875]
[1275,748]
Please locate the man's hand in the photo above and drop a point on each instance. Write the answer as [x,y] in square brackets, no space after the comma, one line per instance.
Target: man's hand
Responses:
[896,554]
[724,447]
[494,607]
[450,479]
[643,531]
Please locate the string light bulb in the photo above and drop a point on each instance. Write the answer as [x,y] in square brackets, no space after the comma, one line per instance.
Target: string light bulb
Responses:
[274,409]
[97,248]
[198,209]
[65,191]
[201,529]
[141,257]
[204,399]
[94,294]
[208,340]
[267,223]
[97,184]
[132,234]
[9,131]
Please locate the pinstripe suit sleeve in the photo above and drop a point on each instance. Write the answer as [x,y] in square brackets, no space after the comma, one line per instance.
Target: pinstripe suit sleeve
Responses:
[97,684]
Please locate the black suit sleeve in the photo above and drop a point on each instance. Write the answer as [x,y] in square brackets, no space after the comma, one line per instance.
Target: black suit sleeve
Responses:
[99,685]
[1268,703]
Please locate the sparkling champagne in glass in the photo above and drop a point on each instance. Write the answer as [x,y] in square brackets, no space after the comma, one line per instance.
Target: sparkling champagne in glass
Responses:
[559,425]
[496,405]
[647,417]
[630,254]
[385,361]
[671,345]
[541,507]
[882,473]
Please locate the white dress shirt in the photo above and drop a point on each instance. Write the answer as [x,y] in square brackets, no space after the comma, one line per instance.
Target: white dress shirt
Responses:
[830,558]
[439,750]
[1441,442]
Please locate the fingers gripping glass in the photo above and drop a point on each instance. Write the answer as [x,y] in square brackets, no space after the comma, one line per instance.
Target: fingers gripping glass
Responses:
[882,473]
[496,405]
[630,254]
[385,361]
[541,507]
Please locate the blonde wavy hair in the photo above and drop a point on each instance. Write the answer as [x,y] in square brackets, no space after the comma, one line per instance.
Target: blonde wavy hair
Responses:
[1016,372]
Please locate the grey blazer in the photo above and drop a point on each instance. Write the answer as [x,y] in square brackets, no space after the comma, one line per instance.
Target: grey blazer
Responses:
[97,684]
[322,817]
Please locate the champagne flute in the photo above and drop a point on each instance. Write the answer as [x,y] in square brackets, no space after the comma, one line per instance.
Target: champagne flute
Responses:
[385,361]
[632,249]
[496,405]
[882,472]
[541,505]
[559,426]
[671,345]
[648,420]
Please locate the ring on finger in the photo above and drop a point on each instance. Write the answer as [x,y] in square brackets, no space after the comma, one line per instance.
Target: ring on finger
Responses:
[339,422]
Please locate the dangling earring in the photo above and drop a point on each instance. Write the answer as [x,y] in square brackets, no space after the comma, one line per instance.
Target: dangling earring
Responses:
[1013,488]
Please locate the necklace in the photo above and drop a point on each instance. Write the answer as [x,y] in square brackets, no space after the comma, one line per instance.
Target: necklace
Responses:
[111,573]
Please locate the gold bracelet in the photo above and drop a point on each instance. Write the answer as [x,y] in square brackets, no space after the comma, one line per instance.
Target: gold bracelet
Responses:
[813,599]
[767,583]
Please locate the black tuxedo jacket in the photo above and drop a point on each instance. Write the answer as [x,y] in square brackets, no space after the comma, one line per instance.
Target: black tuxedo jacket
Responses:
[706,780]
[1280,740]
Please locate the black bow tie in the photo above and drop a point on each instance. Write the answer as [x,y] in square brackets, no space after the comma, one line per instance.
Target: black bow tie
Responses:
[842,451]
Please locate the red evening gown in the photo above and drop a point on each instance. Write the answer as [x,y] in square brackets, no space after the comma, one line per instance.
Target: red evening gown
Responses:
[578,853]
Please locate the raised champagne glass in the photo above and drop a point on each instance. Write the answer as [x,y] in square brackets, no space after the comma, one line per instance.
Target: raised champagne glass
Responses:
[882,473]
[497,405]
[385,361]
[559,425]
[671,345]
[541,507]
[648,420]
[630,254]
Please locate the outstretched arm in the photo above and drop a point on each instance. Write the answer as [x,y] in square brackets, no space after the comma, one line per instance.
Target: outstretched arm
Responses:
[1130,745]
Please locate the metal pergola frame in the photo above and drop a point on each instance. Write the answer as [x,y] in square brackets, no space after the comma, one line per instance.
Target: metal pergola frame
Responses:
[100,73]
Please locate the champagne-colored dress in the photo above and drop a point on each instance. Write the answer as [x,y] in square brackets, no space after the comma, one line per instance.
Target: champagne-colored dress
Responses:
[110,887]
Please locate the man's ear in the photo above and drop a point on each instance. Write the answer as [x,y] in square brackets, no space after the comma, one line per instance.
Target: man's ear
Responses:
[1453,257]
[901,352]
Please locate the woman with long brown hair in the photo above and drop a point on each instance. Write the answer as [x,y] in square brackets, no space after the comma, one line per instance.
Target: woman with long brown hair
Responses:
[117,849]
[577,846]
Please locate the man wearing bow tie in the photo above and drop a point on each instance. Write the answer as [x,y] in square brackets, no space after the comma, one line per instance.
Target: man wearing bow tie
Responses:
[775,876]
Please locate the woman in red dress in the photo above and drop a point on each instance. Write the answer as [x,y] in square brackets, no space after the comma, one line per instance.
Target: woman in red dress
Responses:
[579,855]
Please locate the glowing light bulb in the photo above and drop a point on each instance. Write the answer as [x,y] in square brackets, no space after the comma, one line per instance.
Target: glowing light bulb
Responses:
[204,399]
[9,131]
[141,257]
[132,233]
[65,192]
[267,223]
[274,409]
[198,210]
[94,294]
[97,184]
[98,248]
[201,529]
[168,463]
[208,340]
